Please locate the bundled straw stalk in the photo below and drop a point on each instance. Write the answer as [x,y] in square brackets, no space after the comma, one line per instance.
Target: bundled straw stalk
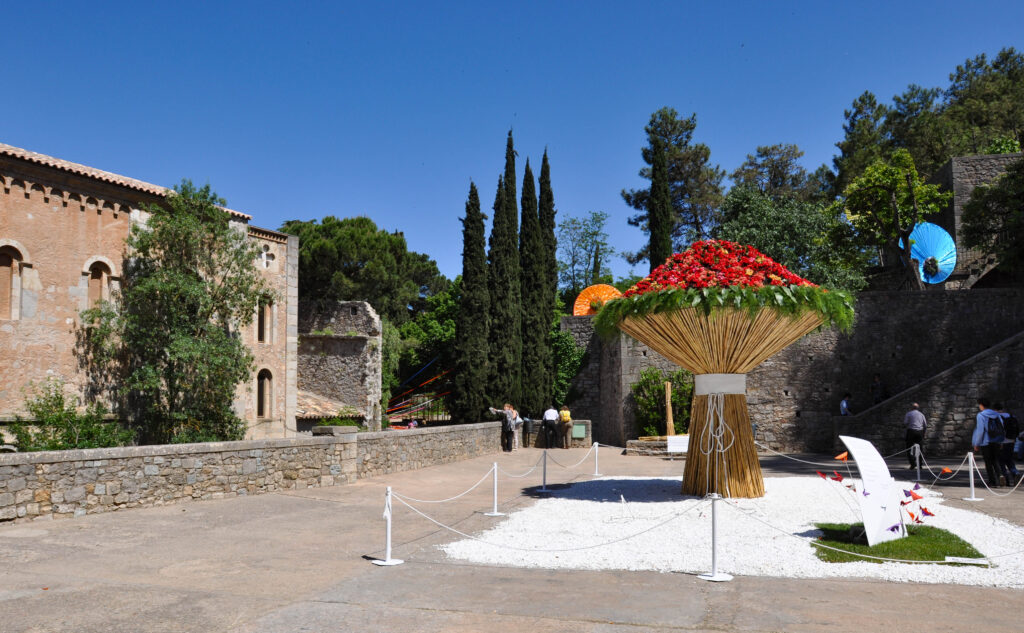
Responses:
[726,341]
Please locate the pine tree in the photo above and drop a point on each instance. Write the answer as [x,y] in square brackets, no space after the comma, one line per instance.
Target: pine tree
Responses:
[469,395]
[659,210]
[546,216]
[535,327]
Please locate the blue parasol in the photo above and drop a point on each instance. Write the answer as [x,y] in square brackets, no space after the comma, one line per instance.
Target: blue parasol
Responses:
[930,240]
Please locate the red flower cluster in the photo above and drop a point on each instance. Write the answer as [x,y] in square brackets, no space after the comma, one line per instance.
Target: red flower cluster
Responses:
[717,263]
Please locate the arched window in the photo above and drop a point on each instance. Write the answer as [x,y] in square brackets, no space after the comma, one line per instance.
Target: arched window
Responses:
[264,321]
[99,283]
[10,282]
[264,393]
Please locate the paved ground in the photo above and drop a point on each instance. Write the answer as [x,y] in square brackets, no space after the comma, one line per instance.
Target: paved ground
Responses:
[298,562]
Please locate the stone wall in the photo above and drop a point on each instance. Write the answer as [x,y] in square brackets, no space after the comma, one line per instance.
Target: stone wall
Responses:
[600,391]
[62,484]
[386,452]
[342,360]
[906,337]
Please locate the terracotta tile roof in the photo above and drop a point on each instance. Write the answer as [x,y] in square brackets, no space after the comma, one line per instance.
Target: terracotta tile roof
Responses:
[309,405]
[92,172]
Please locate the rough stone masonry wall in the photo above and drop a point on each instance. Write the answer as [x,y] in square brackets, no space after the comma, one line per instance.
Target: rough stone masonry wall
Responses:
[949,402]
[61,484]
[344,368]
[386,452]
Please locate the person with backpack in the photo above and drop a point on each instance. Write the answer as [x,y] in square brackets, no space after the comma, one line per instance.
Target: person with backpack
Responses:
[1012,428]
[566,419]
[989,435]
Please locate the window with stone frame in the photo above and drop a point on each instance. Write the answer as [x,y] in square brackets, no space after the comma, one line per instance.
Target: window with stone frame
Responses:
[264,393]
[99,283]
[265,321]
[10,260]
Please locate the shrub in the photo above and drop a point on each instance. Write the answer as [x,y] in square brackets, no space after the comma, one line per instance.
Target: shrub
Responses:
[56,425]
[648,395]
[336,421]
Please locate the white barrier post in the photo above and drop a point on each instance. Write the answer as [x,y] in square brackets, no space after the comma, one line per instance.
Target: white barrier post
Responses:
[715,575]
[597,447]
[544,480]
[970,464]
[388,561]
[917,454]
[494,509]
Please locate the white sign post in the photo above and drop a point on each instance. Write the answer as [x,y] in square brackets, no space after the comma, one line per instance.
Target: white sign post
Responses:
[879,497]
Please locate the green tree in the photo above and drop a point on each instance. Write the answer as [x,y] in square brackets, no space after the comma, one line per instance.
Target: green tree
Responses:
[864,140]
[584,253]
[54,423]
[431,333]
[536,325]
[886,202]
[352,259]
[506,343]
[659,209]
[775,172]
[993,218]
[695,185]
[568,358]
[915,123]
[390,362]
[648,394]
[469,394]
[546,214]
[985,100]
[805,237]
[187,288]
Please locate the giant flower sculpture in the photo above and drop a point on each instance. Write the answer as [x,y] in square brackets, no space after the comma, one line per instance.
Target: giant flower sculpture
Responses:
[719,309]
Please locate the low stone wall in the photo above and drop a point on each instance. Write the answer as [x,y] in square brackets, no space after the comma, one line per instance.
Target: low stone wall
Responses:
[538,439]
[63,484]
[395,451]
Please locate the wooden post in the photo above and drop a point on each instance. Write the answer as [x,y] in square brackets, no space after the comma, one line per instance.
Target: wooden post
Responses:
[670,426]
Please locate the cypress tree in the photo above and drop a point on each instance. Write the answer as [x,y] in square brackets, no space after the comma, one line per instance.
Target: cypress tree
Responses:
[469,389]
[503,282]
[659,208]
[535,326]
[549,256]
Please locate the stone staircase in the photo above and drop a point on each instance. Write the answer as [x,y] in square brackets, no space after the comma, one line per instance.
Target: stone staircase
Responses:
[948,399]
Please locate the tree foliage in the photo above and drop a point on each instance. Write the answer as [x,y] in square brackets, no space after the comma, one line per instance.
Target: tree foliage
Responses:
[886,202]
[659,208]
[775,172]
[694,183]
[584,253]
[506,351]
[536,382]
[469,384]
[805,237]
[351,259]
[55,424]
[170,340]
[568,358]
[993,218]
[546,216]
[648,400]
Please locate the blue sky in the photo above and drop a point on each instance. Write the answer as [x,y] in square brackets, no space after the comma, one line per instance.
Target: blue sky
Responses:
[301,110]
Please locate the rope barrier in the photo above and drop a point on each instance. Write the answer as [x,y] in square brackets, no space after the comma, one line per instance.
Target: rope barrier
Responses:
[828,464]
[461,494]
[576,464]
[508,474]
[552,550]
[998,494]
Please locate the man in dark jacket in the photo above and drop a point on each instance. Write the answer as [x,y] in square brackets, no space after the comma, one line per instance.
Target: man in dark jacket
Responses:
[988,435]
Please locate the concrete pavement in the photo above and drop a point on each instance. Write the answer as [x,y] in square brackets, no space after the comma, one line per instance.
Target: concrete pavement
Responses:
[297,562]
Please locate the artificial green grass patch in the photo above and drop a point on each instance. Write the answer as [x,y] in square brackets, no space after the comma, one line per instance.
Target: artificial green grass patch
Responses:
[923,542]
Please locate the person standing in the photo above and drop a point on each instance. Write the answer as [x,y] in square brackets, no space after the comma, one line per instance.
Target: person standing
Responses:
[988,435]
[916,425]
[844,404]
[566,418]
[1012,428]
[508,425]
[550,427]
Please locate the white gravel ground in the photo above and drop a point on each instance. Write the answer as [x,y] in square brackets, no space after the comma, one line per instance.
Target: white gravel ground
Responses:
[656,529]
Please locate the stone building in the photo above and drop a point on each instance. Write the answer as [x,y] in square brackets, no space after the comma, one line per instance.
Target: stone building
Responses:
[62,232]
